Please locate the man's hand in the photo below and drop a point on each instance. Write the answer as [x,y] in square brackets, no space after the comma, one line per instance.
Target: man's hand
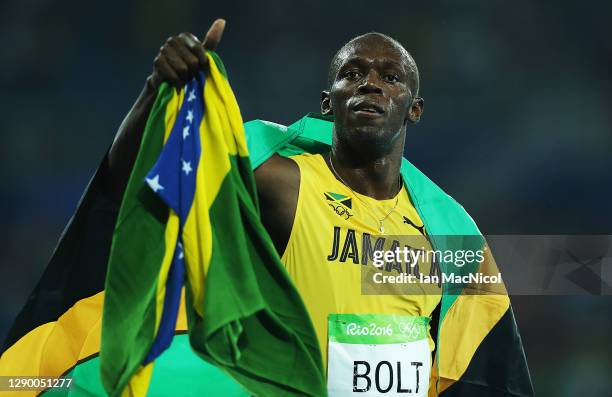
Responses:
[183,56]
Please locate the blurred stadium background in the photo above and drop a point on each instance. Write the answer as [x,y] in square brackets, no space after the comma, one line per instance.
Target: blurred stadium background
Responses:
[517,123]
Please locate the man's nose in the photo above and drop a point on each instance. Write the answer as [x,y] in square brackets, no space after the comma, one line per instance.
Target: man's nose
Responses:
[371,84]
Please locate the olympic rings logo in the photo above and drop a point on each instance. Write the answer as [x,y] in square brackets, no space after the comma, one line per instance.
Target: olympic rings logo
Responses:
[411,330]
[341,210]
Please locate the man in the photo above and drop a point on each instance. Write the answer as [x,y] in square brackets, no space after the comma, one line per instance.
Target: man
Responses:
[373,96]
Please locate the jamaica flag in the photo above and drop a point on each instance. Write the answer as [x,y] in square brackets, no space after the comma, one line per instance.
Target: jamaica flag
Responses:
[339,199]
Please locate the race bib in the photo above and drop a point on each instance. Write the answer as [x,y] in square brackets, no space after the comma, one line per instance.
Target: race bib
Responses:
[377,355]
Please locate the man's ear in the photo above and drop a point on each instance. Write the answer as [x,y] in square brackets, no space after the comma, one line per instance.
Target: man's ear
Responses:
[416,110]
[326,103]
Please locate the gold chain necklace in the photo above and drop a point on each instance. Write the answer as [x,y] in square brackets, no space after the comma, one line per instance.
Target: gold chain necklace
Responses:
[381,225]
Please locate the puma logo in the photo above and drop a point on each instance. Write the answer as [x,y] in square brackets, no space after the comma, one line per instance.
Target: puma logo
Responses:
[421,228]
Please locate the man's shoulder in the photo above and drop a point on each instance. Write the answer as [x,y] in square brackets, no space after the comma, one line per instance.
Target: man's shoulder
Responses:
[310,134]
[264,139]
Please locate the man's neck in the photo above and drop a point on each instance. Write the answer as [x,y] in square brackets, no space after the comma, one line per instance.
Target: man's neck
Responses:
[373,175]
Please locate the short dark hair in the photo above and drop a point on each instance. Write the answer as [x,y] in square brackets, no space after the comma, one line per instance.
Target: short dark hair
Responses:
[414,71]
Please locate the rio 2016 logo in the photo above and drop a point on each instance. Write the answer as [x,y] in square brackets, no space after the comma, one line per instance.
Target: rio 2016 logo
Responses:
[370,329]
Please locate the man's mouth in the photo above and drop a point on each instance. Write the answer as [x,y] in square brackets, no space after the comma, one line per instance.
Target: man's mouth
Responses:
[368,107]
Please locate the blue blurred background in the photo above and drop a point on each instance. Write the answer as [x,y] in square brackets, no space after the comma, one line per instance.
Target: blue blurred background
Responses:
[517,122]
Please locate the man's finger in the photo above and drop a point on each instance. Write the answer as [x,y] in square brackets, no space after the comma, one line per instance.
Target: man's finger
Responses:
[196,48]
[213,36]
[177,64]
[167,73]
[189,58]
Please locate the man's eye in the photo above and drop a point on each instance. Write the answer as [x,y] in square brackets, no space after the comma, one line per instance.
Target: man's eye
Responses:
[391,78]
[352,74]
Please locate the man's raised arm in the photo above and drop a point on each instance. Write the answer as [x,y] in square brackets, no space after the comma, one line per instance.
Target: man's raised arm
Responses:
[179,60]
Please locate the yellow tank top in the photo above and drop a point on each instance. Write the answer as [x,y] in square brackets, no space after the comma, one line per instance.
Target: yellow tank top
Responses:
[334,233]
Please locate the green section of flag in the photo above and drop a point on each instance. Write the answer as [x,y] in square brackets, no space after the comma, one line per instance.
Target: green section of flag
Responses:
[255,325]
[336,196]
[128,324]
[219,63]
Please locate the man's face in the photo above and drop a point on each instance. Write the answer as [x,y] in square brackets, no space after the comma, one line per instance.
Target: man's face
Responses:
[370,97]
